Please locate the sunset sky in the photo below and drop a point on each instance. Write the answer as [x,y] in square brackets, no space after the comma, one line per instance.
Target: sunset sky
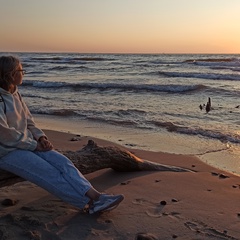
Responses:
[120,26]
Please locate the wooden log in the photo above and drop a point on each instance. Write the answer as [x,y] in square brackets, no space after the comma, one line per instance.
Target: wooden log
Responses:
[92,158]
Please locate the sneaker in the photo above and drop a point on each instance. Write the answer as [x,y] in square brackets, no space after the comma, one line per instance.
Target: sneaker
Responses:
[105,203]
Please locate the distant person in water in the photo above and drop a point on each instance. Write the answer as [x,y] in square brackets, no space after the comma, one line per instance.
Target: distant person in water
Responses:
[26,151]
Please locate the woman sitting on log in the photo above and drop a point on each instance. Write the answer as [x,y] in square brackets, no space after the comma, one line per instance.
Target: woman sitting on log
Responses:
[26,151]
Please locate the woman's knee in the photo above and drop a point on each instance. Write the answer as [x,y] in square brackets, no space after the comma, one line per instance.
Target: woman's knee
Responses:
[54,157]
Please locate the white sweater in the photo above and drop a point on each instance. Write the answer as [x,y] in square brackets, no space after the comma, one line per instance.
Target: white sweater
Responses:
[17,127]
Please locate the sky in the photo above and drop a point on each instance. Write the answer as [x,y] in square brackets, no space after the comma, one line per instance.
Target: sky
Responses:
[120,26]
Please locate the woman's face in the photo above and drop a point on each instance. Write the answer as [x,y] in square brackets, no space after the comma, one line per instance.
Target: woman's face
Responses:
[18,75]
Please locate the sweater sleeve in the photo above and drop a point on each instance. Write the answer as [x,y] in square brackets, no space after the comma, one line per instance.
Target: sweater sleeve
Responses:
[36,132]
[12,138]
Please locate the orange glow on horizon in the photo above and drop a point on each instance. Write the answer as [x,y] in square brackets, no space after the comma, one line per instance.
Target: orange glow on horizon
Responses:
[121,27]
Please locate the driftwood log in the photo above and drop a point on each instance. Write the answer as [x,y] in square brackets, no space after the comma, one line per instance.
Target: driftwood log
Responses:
[92,158]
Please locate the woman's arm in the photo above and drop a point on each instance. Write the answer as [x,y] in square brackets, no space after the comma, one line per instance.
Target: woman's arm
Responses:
[31,125]
[12,138]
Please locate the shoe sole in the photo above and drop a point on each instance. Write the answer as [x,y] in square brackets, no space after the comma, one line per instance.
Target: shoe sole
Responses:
[111,206]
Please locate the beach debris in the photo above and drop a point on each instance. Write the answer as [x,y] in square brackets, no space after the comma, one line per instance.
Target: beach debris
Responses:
[26,208]
[108,221]
[202,106]
[9,202]
[209,105]
[223,176]
[174,200]
[34,235]
[125,183]
[130,144]
[163,202]
[75,139]
[146,236]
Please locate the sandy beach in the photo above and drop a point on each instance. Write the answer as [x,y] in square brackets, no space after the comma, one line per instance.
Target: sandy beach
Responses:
[204,204]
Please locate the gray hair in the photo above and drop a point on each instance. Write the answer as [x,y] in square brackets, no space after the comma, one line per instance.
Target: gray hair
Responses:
[8,66]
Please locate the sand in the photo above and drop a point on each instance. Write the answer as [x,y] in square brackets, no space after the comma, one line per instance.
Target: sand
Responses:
[158,205]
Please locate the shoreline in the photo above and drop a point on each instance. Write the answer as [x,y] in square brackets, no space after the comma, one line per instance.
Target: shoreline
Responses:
[212,152]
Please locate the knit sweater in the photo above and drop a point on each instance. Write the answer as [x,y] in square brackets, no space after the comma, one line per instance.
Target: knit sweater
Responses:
[17,126]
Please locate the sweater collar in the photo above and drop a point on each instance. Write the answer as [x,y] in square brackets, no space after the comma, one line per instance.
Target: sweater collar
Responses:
[4,92]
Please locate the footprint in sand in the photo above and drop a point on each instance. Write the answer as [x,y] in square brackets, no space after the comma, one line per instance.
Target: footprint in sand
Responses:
[158,212]
[203,229]
[155,212]
[141,201]
[152,210]
[156,209]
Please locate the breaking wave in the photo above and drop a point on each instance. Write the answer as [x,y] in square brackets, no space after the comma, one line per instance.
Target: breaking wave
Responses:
[171,88]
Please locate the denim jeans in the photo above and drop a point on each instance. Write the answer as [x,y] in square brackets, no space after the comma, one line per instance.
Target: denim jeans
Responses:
[50,170]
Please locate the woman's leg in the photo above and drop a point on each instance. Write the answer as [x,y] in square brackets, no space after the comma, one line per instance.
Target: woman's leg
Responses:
[69,172]
[57,174]
[101,202]
[67,169]
[31,166]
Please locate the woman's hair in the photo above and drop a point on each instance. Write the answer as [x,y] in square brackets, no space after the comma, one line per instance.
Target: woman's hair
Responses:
[8,66]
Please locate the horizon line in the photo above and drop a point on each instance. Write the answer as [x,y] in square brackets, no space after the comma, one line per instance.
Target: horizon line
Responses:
[118,53]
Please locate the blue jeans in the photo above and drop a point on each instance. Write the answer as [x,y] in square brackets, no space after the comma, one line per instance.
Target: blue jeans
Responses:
[50,170]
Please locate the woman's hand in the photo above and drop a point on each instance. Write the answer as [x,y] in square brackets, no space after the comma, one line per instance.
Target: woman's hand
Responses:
[43,144]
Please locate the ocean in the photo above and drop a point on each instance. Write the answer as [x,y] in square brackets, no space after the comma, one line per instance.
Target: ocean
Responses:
[154,102]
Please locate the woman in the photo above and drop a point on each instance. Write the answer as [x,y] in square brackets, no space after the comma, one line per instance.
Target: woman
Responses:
[26,151]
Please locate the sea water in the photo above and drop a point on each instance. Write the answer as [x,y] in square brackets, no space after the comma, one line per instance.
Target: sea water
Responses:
[147,101]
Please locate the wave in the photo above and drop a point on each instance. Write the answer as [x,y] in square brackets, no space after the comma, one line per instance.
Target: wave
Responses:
[85,113]
[57,59]
[57,68]
[171,88]
[215,134]
[210,60]
[55,112]
[46,58]
[130,112]
[64,68]
[213,76]
[119,122]
[86,116]
[216,63]
[234,69]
